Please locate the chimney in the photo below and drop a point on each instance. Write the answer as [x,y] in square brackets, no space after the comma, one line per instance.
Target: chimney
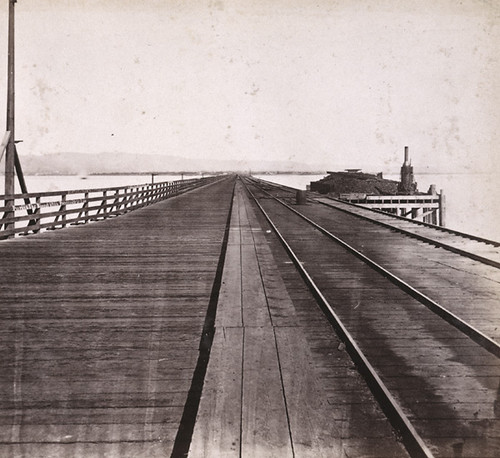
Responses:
[406,185]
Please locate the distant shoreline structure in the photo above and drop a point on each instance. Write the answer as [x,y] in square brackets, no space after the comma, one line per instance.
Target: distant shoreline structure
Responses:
[400,198]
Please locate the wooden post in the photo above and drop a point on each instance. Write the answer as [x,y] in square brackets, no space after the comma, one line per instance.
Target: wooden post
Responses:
[125,199]
[104,204]
[300,197]
[442,209]
[10,151]
[86,206]
[37,216]
[116,202]
[63,209]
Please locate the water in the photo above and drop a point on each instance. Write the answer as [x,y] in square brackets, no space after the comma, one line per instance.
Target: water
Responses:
[64,183]
[471,199]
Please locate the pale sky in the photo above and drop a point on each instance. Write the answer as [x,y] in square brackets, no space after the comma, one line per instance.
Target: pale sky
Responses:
[347,82]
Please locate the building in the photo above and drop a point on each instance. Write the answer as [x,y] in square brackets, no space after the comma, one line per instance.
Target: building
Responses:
[400,198]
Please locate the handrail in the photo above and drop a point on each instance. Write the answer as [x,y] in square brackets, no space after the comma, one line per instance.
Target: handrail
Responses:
[77,191]
[30,213]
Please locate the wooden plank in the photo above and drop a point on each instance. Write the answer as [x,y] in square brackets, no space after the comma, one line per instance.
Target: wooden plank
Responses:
[312,435]
[280,305]
[373,447]
[229,308]
[89,450]
[264,419]
[217,429]
[255,309]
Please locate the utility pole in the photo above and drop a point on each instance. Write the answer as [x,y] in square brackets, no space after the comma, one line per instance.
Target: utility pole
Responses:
[11,146]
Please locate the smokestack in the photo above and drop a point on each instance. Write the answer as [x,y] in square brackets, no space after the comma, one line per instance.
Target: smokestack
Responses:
[406,185]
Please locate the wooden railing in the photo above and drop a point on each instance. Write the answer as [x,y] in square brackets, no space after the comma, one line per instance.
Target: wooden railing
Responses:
[32,212]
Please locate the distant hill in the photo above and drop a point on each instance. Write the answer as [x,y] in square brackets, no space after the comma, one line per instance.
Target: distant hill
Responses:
[126,163]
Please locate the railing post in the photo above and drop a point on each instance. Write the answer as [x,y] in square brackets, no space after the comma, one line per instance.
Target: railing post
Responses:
[124,200]
[86,206]
[442,209]
[116,202]
[151,193]
[128,198]
[154,193]
[36,215]
[104,204]
[63,209]
[144,195]
[136,198]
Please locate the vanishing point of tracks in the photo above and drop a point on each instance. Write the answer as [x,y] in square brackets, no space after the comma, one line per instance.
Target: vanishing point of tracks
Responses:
[419,317]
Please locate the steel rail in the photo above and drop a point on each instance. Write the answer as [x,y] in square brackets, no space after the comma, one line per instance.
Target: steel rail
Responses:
[477,336]
[382,213]
[399,421]
[423,238]
[421,223]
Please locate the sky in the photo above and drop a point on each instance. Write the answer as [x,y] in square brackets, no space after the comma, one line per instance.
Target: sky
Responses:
[337,83]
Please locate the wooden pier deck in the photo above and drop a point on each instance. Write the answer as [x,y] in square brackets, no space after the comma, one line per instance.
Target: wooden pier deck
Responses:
[266,390]
[185,329]
[101,325]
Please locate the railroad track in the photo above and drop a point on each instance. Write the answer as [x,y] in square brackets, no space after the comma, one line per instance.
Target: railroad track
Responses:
[478,248]
[431,270]
[434,372]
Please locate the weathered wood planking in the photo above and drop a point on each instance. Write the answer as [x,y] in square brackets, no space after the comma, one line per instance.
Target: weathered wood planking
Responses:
[473,244]
[408,345]
[218,428]
[307,405]
[467,288]
[242,411]
[101,325]
[264,393]
[353,417]
[264,425]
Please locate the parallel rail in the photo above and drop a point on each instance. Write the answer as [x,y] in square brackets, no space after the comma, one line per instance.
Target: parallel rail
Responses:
[477,336]
[400,422]
[438,243]
[393,222]
[32,212]
[421,370]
